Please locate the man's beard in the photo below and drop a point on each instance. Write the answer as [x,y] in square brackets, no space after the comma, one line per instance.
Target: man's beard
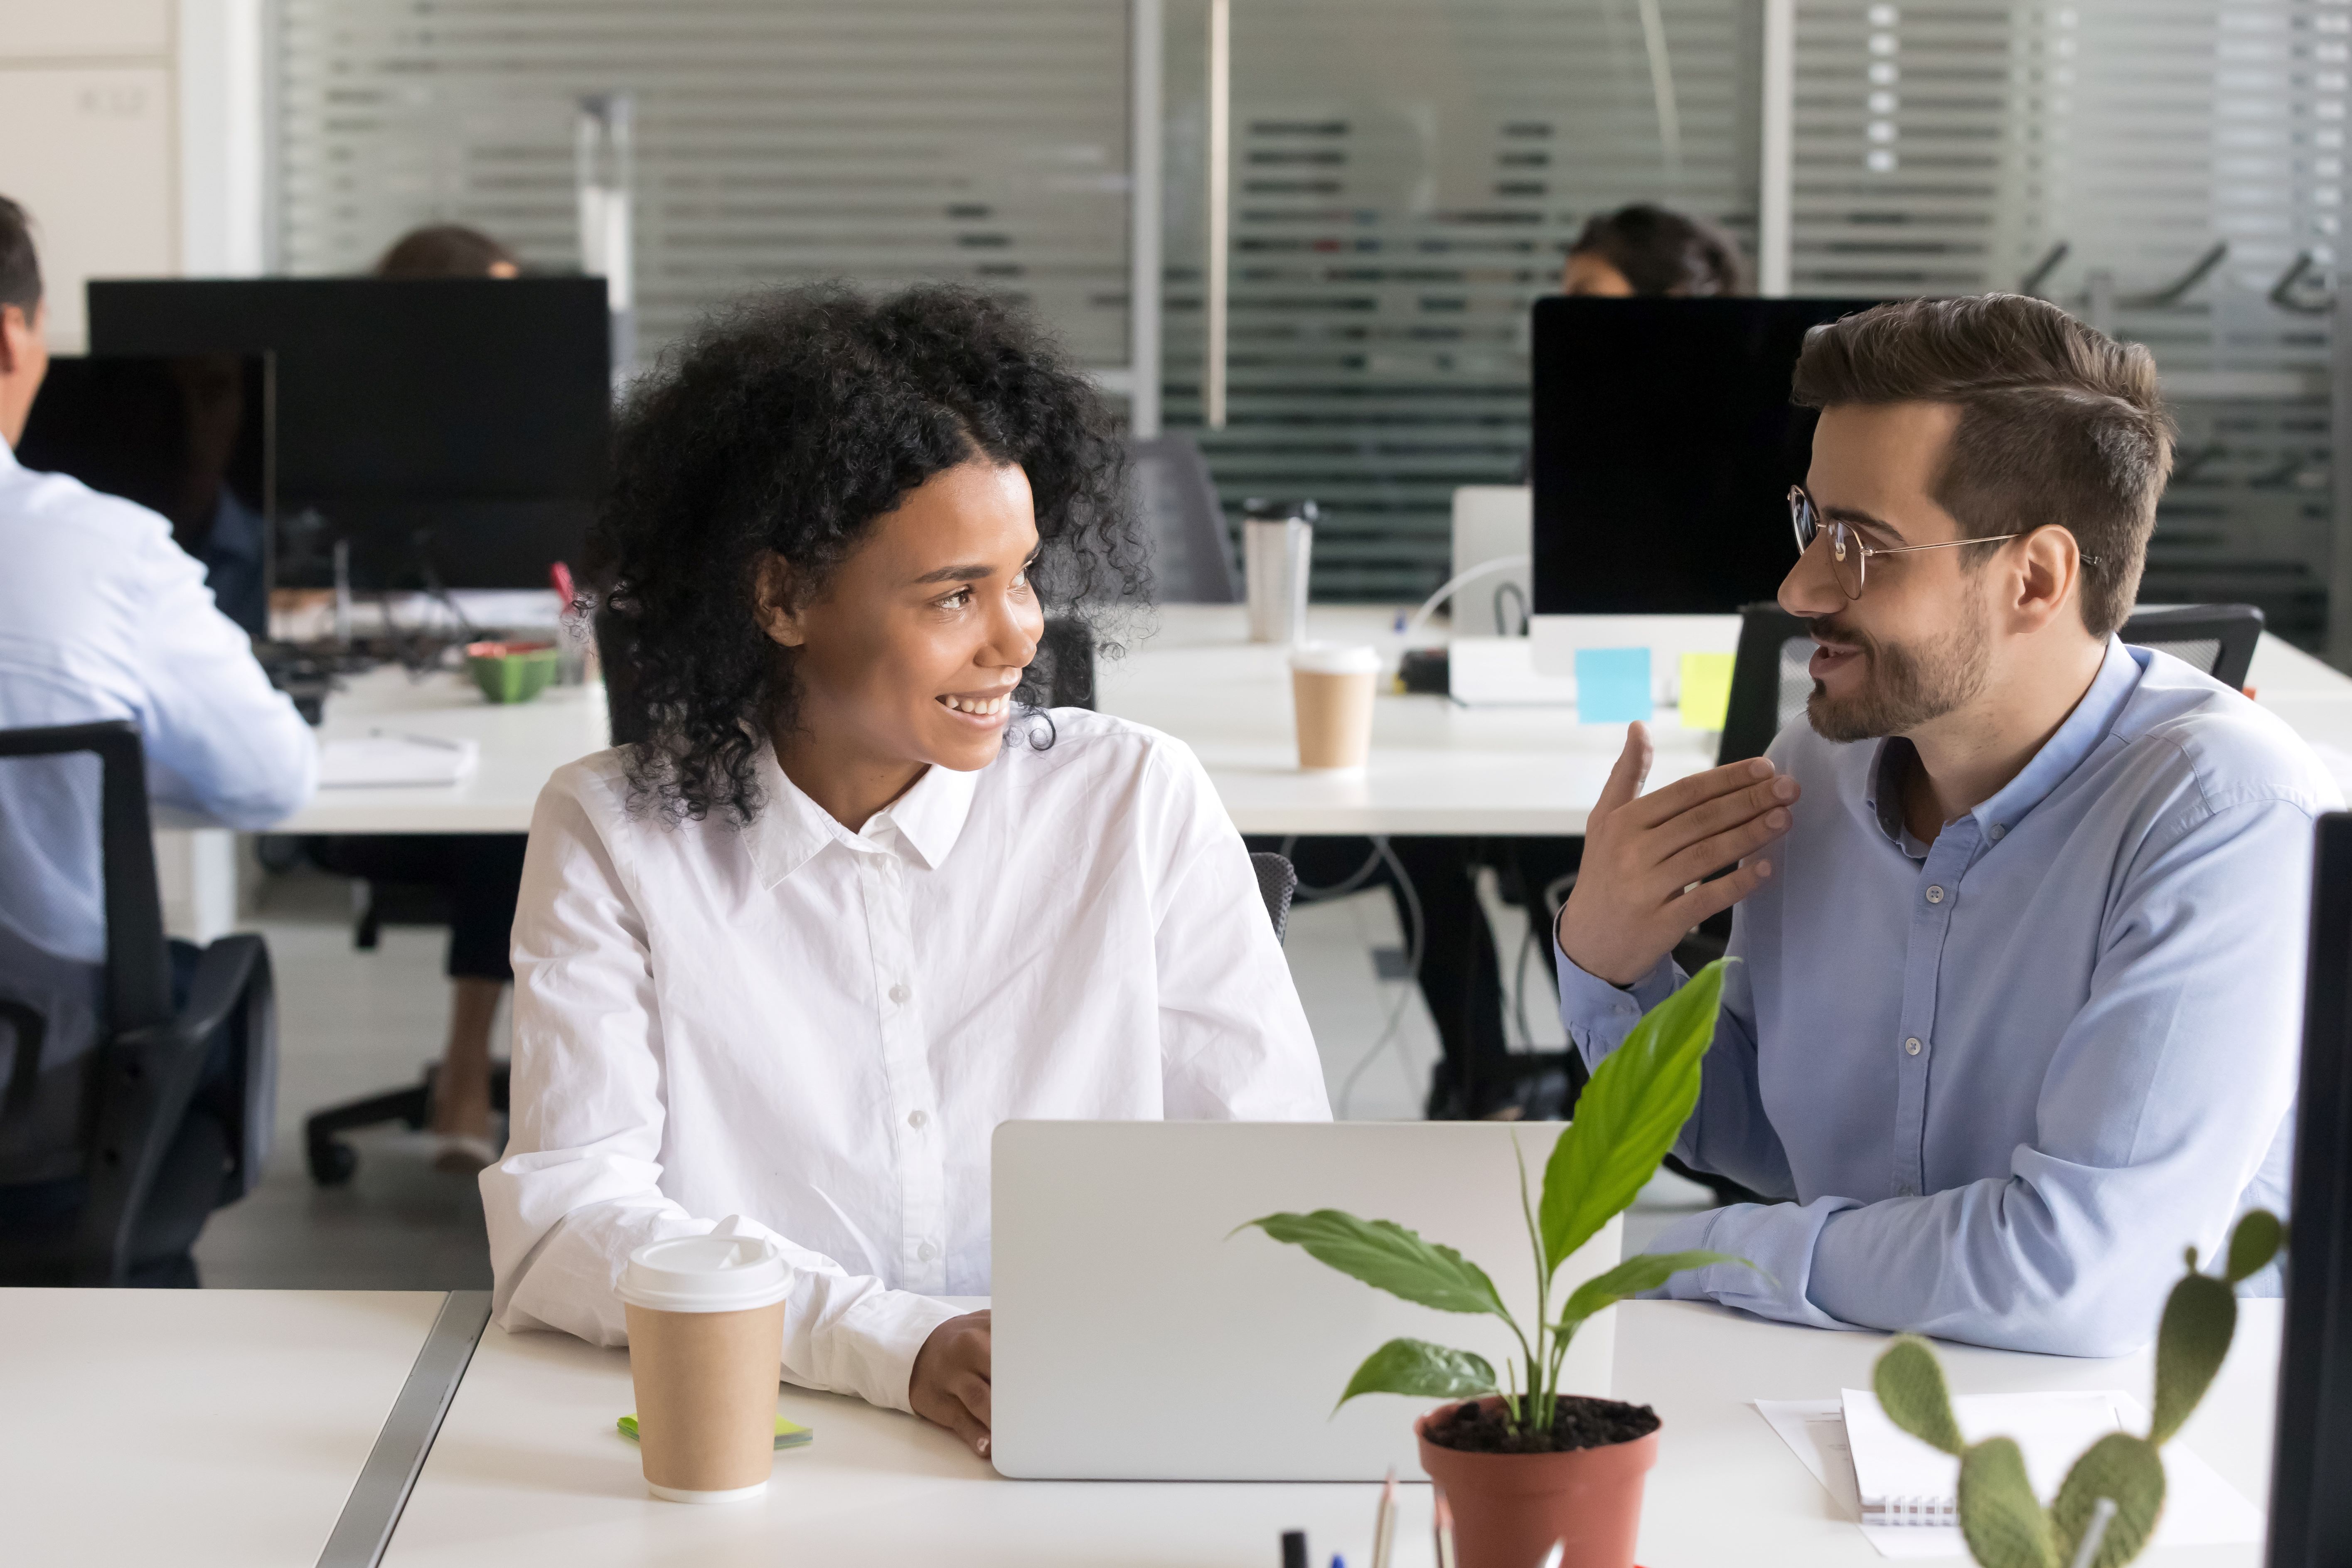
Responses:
[1903,686]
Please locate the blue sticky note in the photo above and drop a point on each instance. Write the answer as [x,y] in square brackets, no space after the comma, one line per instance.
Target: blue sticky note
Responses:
[1613,685]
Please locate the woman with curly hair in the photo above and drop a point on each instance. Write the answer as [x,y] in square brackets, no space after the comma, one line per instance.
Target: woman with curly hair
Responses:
[852,903]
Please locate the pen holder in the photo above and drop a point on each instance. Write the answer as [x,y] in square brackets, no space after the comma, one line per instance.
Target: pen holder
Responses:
[511,672]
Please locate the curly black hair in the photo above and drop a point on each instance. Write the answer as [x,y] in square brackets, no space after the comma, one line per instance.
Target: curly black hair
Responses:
[791,422]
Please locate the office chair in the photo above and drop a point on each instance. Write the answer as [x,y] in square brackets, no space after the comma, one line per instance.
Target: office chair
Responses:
[2219,639]
[114,1147]
[1192,549]
[1278,880]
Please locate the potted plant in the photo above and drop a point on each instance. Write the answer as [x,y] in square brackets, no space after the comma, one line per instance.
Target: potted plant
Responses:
[2107,1506]
[1524,1466]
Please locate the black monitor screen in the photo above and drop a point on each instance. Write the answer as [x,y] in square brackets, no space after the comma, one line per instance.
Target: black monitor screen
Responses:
[453,431]
[1664,447]
[187,436]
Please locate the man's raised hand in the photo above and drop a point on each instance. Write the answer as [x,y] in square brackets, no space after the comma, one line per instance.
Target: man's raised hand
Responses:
[1633,897]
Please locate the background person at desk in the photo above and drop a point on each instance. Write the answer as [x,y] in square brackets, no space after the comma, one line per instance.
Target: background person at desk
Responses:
[103,618]
[850,908]
[477,873]
[2018,1011]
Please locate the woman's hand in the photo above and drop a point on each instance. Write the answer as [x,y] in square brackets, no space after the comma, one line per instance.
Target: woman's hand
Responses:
[950,1386]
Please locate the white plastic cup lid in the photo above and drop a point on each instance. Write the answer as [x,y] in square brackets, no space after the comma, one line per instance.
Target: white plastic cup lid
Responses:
[1335,658]
[715,1273]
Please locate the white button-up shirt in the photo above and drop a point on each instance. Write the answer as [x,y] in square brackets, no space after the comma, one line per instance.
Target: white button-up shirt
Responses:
[820,1030]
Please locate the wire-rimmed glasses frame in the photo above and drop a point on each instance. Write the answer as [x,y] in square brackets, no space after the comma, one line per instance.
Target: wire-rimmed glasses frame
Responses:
[1850,557]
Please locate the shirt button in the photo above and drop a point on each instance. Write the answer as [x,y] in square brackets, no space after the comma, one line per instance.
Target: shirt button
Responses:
[1934,895]
[1997,831]
[917,1118]
[1906,1191]
[899,994]
[1911,1047]
[926,1252]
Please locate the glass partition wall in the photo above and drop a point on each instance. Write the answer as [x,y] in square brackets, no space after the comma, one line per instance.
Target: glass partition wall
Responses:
[1403,177]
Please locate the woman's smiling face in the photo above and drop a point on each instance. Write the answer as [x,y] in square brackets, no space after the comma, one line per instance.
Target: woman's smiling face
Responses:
[909,654]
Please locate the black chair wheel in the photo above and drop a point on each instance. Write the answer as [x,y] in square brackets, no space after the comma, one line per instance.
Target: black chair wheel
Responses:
[332,1162]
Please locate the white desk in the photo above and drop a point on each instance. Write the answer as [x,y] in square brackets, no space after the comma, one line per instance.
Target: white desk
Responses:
[528,1470]
[194,1426]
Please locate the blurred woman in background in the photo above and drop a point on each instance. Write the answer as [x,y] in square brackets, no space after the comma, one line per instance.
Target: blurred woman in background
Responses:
[1649,250]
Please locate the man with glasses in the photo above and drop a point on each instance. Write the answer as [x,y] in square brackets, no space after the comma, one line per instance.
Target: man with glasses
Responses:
[2020,922]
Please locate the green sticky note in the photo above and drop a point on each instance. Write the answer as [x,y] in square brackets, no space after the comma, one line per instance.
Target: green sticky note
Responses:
[789,1435]
[1707,690]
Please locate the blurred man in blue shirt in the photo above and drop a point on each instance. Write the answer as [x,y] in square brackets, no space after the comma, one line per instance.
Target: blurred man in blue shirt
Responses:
[103,616]
[2021,910]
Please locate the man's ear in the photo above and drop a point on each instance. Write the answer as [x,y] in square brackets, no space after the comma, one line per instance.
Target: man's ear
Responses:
[775,600]
[2049,576]
[15,336]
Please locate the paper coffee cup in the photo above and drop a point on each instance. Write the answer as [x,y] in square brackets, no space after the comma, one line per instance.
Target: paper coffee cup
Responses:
[706,1335]
[1331,696]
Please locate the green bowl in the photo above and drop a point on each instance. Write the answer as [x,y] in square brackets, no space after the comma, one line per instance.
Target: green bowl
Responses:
[511,672]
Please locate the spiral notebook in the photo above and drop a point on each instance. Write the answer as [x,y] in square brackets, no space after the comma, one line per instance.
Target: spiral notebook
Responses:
[1903,1481]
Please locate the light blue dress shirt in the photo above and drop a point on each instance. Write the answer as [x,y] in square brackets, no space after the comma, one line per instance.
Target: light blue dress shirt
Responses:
[103,616]
[2006,1078]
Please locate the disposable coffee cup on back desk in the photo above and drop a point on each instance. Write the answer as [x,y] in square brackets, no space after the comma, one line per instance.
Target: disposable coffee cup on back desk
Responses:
[1331,696]
[706,1336]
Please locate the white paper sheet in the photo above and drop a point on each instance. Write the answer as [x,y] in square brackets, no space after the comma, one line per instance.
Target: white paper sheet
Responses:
[2201,1509]
[381,761]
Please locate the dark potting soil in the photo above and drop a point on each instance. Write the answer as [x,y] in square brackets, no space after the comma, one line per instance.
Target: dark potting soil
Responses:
[1578,1422]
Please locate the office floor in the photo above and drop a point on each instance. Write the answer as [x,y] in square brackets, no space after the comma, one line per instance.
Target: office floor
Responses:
[353,1023]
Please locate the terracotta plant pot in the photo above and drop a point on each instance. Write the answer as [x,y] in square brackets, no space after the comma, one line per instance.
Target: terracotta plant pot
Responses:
[1508,1508]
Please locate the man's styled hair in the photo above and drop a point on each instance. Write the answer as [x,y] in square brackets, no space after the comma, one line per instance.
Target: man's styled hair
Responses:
[444,250]
[2059,423]
[20,265]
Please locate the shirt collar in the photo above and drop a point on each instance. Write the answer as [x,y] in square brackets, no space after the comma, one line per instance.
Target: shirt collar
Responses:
[2066,750]
[7,458]
[792,828]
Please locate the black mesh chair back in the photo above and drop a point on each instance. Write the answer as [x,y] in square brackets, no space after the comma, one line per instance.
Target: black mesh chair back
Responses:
[2219,639]
[1192,549]
[1768,683]
[105,1119]
[1277,883]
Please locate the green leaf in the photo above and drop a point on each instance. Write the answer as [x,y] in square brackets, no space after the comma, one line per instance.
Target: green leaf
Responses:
[2253,1244]
[1910,1385]
[2200,1317]
[1418,1367]
[1630,1278]
[1388,1257]
[1999,1519]
[2117,1467]
[1628,1116]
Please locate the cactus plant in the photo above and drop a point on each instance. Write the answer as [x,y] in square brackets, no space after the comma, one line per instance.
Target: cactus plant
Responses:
[2107,1506]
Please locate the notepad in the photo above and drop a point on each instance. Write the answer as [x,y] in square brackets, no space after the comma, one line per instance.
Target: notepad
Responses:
[1902,1480]
[2200,1508]
[389,762]
[1705,700]
[1613,685]
[789,1434]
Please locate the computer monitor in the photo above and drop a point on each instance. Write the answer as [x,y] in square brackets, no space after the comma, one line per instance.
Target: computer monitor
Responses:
[2310,1462]
[187,435]
[452,432]
[1664,445]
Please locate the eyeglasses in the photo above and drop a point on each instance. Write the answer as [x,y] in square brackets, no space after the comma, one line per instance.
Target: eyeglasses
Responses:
[1850,557]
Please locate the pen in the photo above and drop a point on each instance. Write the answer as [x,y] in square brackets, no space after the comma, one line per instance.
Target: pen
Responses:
[419,740]
[1443,1527]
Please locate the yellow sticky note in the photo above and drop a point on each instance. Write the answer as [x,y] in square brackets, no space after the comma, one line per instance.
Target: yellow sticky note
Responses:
[1707,690]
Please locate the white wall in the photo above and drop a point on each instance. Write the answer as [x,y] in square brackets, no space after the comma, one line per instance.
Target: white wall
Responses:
[131,129]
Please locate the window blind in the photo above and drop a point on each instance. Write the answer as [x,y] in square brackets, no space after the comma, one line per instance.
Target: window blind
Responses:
[777,140]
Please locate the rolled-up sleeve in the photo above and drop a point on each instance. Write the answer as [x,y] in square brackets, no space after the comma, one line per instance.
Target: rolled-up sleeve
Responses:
[580,1187]
[2168,1093]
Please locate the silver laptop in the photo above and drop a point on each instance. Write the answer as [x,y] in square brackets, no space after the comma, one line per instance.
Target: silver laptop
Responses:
[1135,1340]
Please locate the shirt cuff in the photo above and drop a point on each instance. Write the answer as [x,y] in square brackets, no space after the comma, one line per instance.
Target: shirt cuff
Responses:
[887,1329]
[1778,1238]
[1598,1016]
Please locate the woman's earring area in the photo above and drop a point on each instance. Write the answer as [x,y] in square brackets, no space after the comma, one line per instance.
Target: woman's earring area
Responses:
[771,602]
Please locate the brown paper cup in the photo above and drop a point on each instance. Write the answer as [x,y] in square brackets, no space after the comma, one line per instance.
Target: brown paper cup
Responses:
[1331,695]
[706,1385]
[706,1318]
